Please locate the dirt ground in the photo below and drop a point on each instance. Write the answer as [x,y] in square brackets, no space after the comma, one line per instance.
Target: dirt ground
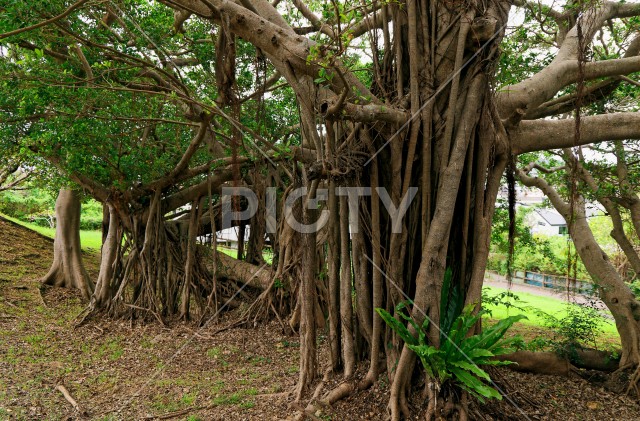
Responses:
[117,370]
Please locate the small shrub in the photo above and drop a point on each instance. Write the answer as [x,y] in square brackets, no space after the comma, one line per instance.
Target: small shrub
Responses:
[506,299]
[577,329]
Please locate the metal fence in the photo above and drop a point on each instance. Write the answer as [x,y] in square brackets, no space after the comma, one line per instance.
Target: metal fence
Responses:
[556,282]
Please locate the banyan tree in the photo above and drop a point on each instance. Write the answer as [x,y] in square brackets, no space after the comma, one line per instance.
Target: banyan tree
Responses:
[384,128]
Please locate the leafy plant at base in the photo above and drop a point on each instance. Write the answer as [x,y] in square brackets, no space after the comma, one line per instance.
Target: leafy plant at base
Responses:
[458,360]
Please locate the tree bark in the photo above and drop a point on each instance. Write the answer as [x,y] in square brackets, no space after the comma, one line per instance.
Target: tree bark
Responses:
[68,270]
[109,259]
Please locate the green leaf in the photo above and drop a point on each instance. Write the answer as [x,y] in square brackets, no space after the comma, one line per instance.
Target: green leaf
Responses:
[399,310]
[473,368]
[397,326]
[490,337]
[475,385]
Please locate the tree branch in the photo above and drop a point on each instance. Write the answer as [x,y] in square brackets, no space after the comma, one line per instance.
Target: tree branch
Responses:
[192,193]
[45,22]
[539,135]
[553,196]
[542,86]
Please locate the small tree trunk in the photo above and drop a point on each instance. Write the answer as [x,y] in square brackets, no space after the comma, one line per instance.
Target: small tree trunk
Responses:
[189,262]
[67,270]
[255,245]
[333,259]
[307,301]
[106,217]
[241,233]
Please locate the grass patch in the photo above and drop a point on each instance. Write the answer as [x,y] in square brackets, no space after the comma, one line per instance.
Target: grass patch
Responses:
[232,399]
[217,387]
[247,404]
[188,398]
[214,352]
[112,349]
[267,254]
[252,391]
[549,305]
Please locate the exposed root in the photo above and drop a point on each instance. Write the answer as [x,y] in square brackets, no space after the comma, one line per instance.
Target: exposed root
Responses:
[305,412]
[310,408]
[633,382]
[538,363]
[342,391]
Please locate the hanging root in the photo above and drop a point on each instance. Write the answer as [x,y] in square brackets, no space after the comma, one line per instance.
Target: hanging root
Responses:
[262,308]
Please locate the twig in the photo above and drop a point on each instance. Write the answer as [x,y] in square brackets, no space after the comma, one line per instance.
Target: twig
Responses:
[42,298]
[9,303]
[69,399]
[46,22]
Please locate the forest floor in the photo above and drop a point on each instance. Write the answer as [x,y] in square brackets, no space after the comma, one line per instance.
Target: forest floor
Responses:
[116,370]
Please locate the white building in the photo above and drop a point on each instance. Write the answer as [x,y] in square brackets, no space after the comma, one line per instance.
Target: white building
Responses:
[229,237]
[547,222]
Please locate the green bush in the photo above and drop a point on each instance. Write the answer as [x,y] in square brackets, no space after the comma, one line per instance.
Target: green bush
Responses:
[37,206]
[91,217]
[578,326]
[635,288]
[498,263]
[27,205]
[577,329]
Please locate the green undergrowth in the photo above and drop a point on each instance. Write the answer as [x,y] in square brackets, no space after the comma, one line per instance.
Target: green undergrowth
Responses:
[551,320]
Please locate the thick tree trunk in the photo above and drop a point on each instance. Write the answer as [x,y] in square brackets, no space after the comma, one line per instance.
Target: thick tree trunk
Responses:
[454,150]
[618,232]
[67,269]
[151,268]
[243,272]
[614,292]
[612,289]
